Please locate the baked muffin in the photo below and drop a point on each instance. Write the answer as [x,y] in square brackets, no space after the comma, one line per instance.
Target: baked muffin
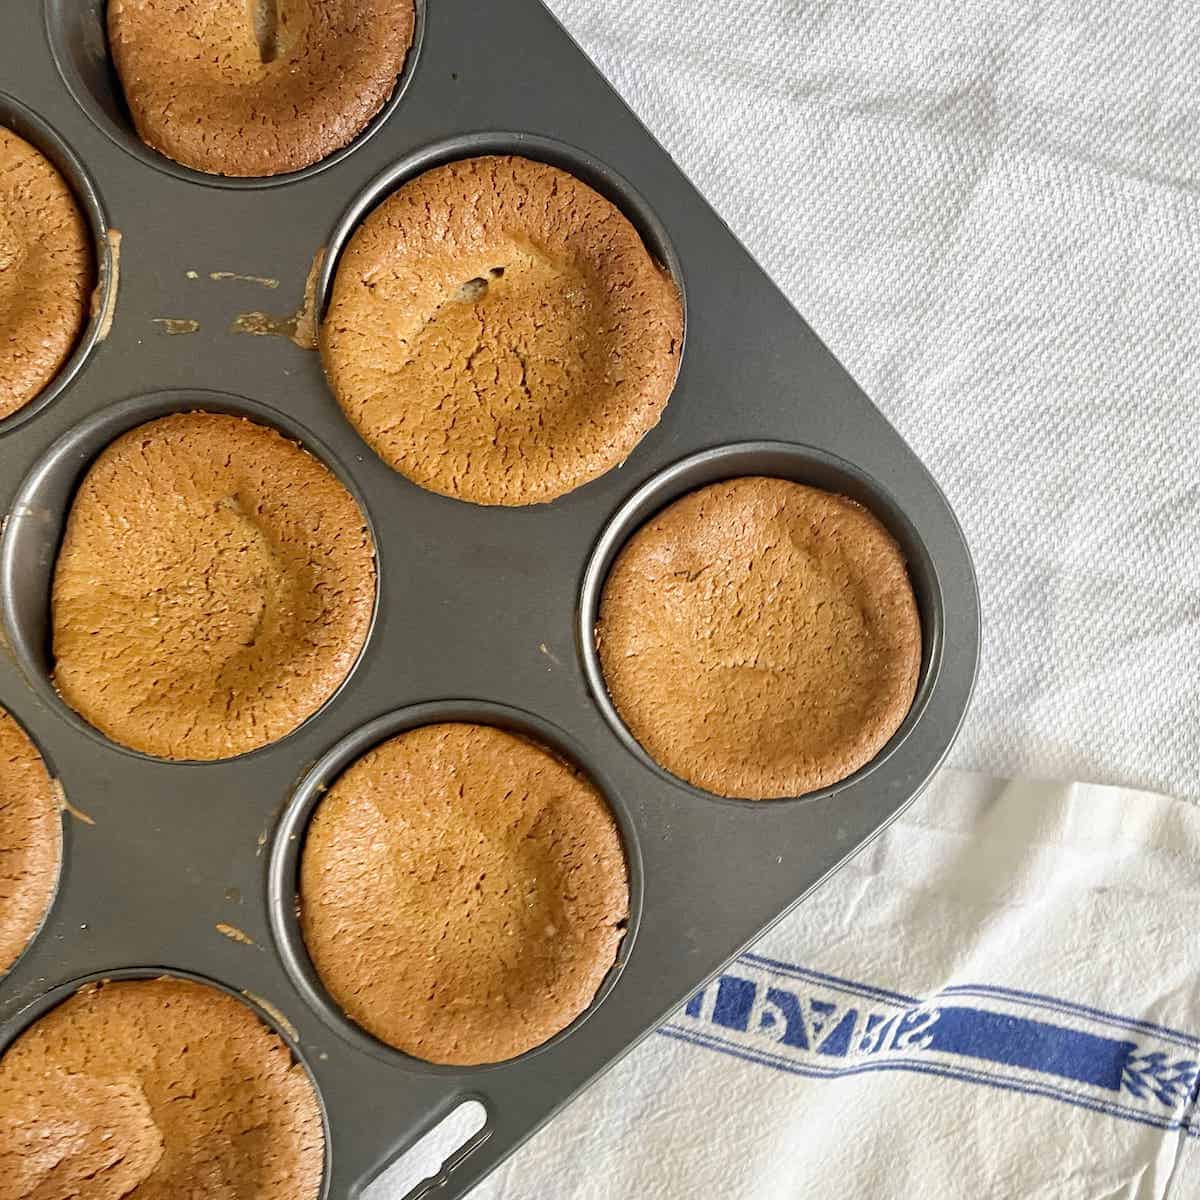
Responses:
[46,272]
[256,87]
[156,1089]
[760,638]
[462,893]
[214,588]
[497,332]
[30,840]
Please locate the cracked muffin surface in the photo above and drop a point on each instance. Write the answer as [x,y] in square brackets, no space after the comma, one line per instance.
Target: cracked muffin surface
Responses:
[156,1089]
[760,638]
[214,587]
[256,87]
[499,333]
[30,840]
[46,272]
[463,893]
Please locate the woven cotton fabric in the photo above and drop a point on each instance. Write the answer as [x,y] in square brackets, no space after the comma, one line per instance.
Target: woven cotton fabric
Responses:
[990,211]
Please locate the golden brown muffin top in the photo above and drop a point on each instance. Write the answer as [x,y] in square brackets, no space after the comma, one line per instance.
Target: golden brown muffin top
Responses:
[156,1089]
[46,272]
[214,588]
[499,333]
[30,840]
[463,893]
[256,87]
[760,638]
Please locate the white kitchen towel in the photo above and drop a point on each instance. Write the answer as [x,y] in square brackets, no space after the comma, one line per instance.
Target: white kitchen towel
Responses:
[997,1000]
[990,210]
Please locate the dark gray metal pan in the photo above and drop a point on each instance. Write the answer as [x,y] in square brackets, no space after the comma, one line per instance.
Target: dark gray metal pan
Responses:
[483,613]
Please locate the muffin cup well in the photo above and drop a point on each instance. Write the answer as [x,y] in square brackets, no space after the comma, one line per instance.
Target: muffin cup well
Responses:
[803,464]
[288,843]
[595,177]
[26,124]
[78,34]
[34,527]
[51,999]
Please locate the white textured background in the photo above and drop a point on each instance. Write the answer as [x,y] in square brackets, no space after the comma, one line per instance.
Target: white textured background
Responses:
[990,211]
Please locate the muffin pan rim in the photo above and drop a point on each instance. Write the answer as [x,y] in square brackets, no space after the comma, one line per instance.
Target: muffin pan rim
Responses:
[56,994]
[125,137]
[92,436]
[287,848]
[679,479]
[29,125]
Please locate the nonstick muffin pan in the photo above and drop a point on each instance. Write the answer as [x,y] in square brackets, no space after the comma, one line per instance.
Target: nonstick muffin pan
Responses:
[483,614]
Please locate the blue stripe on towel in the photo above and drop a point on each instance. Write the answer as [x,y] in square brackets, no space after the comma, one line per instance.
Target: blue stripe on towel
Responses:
[807,1022]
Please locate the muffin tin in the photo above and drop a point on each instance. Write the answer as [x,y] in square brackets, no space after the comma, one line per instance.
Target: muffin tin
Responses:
[483,614]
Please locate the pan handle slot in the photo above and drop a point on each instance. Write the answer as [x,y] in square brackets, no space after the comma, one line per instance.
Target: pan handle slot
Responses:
[426,1165]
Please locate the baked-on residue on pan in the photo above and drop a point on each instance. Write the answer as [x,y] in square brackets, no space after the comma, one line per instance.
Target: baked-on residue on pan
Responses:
[156,1089]
[463,893]
[46,272]
[499,333]
[30,840]
[256,87]
[214,588]
[760,638]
